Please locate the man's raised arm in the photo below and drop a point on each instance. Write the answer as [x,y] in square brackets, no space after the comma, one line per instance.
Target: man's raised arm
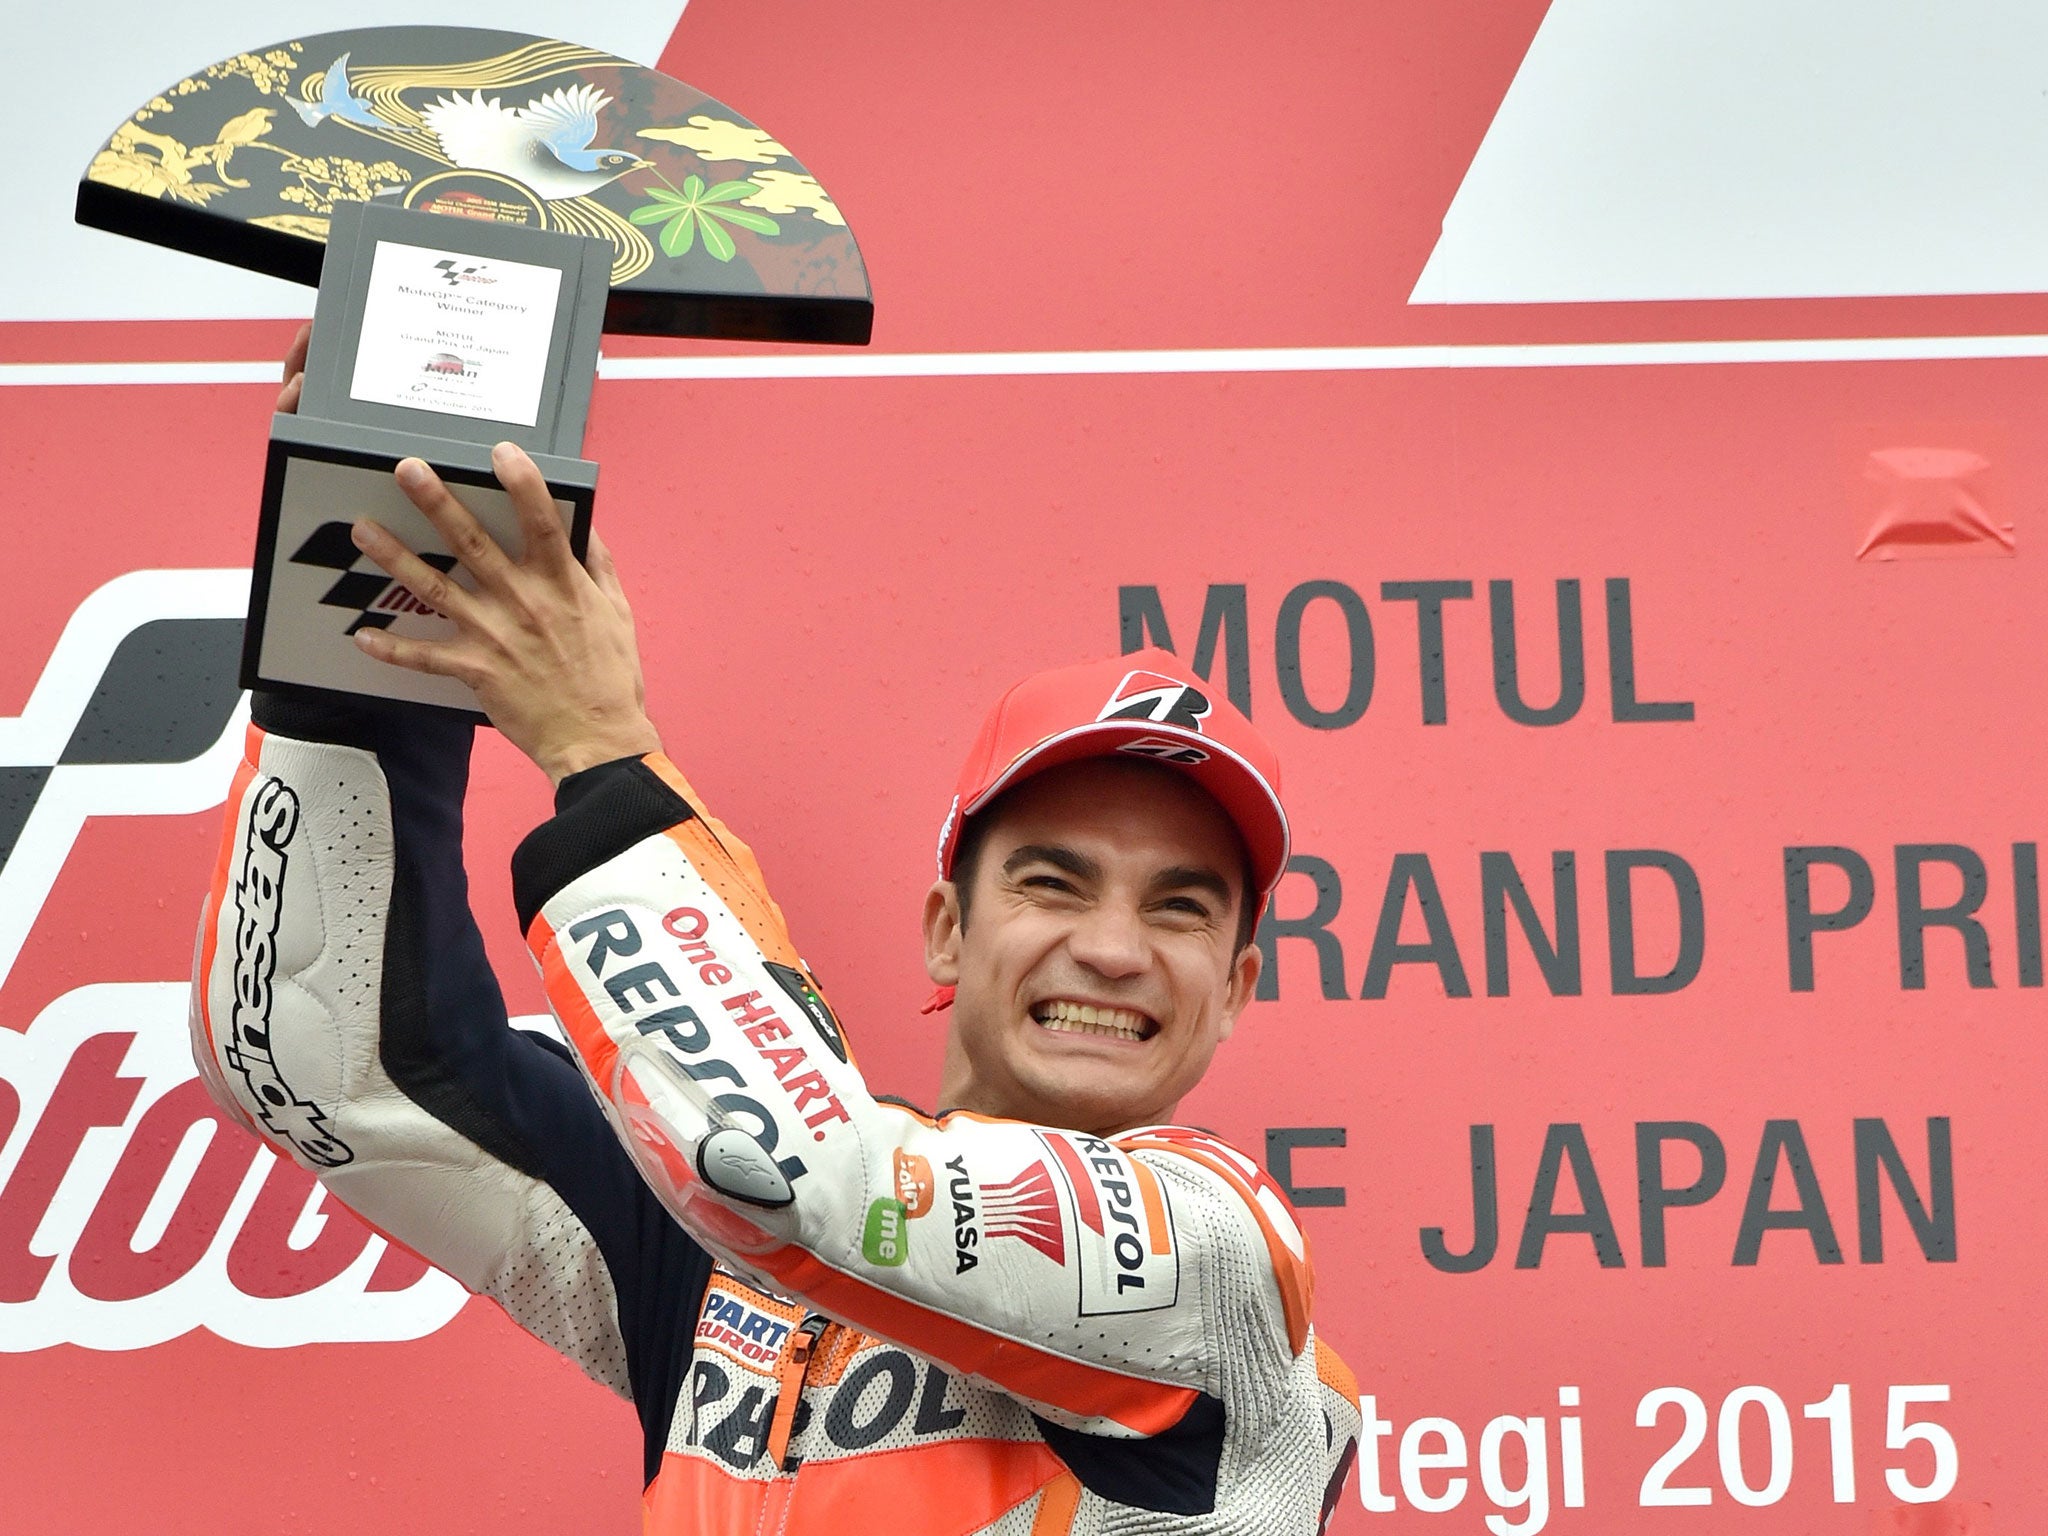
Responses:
[344,1011]
[1124,1287]
[1115,1285]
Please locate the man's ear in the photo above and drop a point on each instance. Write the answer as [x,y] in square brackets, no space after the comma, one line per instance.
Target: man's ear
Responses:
[1244,978]
[942,934]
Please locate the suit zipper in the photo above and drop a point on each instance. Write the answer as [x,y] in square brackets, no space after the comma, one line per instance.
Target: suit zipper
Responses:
[790,1373]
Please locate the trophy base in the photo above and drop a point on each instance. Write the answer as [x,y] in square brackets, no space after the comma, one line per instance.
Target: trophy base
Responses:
[312,589]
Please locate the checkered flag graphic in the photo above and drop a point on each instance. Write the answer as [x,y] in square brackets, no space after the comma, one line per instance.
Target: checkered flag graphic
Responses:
[368,592]
[134,715]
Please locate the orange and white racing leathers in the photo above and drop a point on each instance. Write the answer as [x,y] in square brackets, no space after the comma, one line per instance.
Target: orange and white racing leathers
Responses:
[818,1301]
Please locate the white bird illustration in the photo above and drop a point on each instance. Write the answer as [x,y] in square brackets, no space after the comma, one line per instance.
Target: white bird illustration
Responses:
[545,145]
[337,100]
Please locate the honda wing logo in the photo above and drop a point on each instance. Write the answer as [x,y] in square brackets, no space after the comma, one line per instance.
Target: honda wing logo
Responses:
[1026,1208]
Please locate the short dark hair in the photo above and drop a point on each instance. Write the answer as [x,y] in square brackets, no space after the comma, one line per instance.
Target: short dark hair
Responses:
[974,832]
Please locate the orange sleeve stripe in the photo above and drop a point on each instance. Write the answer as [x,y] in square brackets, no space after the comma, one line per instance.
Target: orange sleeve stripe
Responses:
[1155,1206]
[747,901]
[729,867]
[1296,1279]
[1145,1407]
[209,916]
[730,846]
[1334,1373]
[579,1019]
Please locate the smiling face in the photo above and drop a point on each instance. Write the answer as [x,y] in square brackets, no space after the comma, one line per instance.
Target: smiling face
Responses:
[1098,968]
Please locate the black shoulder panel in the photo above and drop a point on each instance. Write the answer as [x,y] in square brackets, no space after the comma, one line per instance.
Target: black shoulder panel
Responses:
[599,814]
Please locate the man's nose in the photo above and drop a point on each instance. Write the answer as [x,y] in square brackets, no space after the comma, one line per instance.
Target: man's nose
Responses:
[1109,938]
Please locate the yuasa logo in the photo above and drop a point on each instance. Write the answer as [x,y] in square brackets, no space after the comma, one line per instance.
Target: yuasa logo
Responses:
[131,1213]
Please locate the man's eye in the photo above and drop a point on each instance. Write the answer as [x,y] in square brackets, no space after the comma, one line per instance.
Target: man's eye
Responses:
[1047,882]
[1186,906]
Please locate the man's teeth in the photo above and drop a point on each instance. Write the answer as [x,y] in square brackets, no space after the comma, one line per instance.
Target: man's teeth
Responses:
[1092,1019]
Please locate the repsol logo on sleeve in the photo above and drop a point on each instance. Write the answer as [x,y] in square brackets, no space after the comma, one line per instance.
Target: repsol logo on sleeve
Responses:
[1124,1240]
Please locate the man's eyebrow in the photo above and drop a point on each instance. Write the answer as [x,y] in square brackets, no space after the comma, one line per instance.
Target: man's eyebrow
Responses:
[1059,857]
[1183,877]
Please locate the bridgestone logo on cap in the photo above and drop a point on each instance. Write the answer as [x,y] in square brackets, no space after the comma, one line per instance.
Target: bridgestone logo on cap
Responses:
[1162,700]
[1166,749]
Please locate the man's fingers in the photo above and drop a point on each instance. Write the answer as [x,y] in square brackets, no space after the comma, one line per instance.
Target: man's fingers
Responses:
[467,539]
[602,571]
[295,354]
[440,658]
[545,543]
[437,589]
[288,397]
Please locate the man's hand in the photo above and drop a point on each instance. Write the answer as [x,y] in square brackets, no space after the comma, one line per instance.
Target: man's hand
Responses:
[547,646]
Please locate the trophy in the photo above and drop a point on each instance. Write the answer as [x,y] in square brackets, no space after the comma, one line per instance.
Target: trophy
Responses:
[476,208]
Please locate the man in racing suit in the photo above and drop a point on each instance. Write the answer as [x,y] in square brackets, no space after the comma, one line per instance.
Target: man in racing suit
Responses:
[820,1302]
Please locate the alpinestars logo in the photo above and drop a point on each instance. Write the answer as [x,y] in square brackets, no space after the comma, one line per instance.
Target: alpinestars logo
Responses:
[259,902]
[1163,701]
[376,599]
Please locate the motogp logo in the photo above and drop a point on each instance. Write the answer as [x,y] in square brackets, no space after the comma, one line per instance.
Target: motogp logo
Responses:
[372,598]
[455,275]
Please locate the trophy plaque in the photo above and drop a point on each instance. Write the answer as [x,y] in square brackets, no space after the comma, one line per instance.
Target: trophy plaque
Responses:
[433,338]
[476,206]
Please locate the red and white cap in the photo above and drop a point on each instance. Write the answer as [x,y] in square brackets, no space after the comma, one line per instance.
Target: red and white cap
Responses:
[1149,705]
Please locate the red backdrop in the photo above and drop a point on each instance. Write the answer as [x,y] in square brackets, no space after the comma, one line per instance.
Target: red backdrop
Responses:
[835,574]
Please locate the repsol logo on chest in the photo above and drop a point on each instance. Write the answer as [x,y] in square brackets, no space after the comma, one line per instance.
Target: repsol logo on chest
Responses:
[884,1394]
